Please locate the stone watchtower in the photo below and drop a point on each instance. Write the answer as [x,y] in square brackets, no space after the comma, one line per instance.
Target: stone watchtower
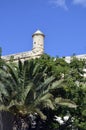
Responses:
[36,52]
[38,42]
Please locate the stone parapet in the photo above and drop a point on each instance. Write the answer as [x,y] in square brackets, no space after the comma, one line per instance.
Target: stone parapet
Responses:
[22,56]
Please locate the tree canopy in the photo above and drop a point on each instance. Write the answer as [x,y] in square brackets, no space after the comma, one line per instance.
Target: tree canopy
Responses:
[48,86]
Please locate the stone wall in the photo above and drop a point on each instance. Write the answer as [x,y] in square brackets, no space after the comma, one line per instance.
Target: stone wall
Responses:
[22,56]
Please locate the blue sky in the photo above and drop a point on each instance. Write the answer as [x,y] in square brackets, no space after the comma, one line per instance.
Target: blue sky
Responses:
[62,21]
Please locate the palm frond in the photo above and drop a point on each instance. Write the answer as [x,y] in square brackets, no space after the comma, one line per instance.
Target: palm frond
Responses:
[3,108]
[28,93]
[46,96]
[65,102]
[3,90]
[48,104]
[40,113]
[13,74]
[45,84]
[56,84]
[36,69]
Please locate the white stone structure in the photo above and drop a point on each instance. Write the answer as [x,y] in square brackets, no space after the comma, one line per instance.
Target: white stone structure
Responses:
[36,52]
[68,58]
[38,42]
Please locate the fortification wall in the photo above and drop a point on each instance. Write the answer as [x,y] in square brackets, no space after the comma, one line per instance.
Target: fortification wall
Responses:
[22,56]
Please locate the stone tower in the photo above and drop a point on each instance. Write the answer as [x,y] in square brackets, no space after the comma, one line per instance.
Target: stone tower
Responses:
[38,42]
[36,52]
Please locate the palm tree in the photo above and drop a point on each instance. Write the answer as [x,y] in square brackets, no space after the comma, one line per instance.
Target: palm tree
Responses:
[25,89]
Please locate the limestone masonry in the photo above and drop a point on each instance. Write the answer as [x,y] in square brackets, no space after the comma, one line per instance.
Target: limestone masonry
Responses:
[36,52]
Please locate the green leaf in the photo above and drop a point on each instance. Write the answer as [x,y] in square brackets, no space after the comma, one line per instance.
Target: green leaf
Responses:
[65,102]
[40,114]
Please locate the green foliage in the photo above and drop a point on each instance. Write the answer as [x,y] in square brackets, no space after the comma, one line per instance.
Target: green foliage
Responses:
[73,88]
[44,86]
[26,87]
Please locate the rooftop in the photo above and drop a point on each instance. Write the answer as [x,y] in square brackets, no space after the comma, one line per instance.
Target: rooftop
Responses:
[38,32]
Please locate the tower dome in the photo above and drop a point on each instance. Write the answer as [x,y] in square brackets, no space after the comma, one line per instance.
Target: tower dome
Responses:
[38,32]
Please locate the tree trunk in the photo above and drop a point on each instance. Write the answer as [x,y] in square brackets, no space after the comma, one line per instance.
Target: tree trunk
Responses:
[20,123]
[6,120]
[1,122]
